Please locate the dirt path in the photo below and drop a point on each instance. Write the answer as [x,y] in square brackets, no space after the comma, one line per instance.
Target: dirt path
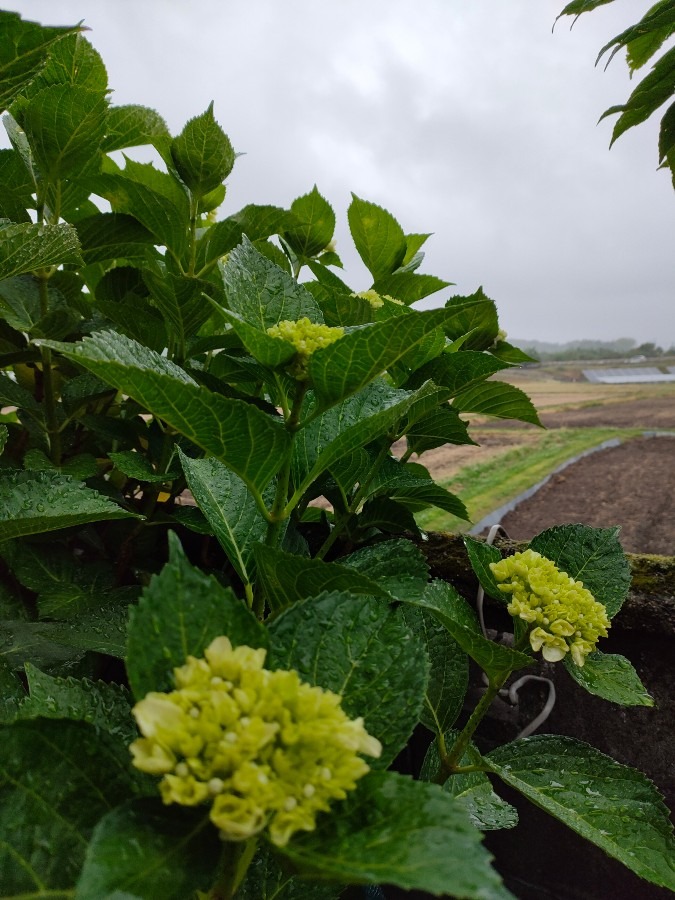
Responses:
[632,485]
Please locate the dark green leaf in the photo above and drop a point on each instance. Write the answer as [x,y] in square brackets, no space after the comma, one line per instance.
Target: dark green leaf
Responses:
[73,62]
[35,502]
[261,293]
[359,648]
[267,880]
[12,694]
[56,781]
[418,493]
[613,806]
[456,615]
[247,440]
[26,248]
[408,286]
[393,830]
[112,236]
[65,125]
[229,508]
[152,197]
[480,557]
[287,578]
[378,237]
[496,398]
[144,849]
[473,790]
[20,303]
[667,137]
[16,187]
[387,515]
[180,612]
[258,222]
[203,154]
[652,92]
[133,126]
[477,318]
[591,555]
[24,50]
[611,677]
[350,363]
[181,301]
[457,371]
[449,673]
[105,706]
[397,565]
[12,394]
[313,224]
[442,426]
[136,465]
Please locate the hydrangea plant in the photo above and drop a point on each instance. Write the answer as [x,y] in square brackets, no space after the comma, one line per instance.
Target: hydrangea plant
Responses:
[207,676]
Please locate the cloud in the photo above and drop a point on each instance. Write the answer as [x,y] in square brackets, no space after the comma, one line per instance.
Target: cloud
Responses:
[471,120]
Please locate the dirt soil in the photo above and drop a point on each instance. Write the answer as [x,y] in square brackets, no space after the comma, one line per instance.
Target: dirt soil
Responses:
[632,485]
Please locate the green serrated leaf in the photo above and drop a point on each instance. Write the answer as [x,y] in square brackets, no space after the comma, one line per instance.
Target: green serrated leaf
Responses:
[455,614]
[268,350]
[35,502]
[654,89]
[180,612]
[449,672]
[65,125]
[146,850]
[56,781]
[152,197]
[16,187]
[229,508]
[182,301]
[74,62]
[203,154]
[417,493]
[313,224]
[442,426]
[267,880]
[4,434]
[613,806]
[393,830]
[109,236]
[612,677]
[378,237]
[12,694]
[133,126]
[458,371]
[591,555]
[27,248]
[24,50]
[247,440]
[480,556]
[667,137]
[105,706]
[496,398]
[473,790]
[136,465]
[409,287]
[347,365]
[399,566]
[261,293]
[287,578]
[360,648]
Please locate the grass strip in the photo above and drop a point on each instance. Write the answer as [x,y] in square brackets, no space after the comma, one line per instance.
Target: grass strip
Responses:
[489,485]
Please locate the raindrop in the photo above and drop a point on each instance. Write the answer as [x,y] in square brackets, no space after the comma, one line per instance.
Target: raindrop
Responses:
[40,507]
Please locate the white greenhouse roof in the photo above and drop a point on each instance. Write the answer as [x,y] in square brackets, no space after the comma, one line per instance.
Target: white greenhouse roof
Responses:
[642,375]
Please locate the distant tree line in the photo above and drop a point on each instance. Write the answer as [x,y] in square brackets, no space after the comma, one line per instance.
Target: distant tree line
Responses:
[623,348]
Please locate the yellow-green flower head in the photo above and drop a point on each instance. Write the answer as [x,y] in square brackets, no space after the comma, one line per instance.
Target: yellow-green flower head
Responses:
[263,748]
[564,614]
[371,297]
[306,337]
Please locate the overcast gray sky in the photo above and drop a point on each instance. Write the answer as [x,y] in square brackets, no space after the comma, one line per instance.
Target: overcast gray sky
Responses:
[466,118]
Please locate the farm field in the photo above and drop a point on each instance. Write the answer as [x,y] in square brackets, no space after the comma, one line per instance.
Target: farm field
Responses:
[632,485]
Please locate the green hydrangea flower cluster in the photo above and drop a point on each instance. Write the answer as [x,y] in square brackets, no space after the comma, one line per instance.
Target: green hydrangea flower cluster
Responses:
[306,337]
[264,748]
[565,615]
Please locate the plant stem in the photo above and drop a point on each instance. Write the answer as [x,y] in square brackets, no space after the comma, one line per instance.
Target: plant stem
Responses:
[51,418]
[356,502]
[194,204]
[236,859]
